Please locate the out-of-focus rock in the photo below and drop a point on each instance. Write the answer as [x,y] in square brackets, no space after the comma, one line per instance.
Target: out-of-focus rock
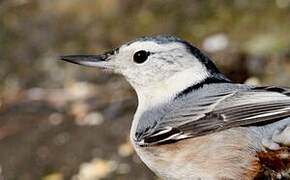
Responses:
[125,149]
[96,169]
[56,118]
[80,90]
[254,81]
[92,119]
[216,42]
[79,109]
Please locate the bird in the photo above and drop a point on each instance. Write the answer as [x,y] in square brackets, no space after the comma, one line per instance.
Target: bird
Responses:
[192,122]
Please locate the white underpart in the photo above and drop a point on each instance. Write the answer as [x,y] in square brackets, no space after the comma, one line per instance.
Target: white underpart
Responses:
[165,91]
[282,136]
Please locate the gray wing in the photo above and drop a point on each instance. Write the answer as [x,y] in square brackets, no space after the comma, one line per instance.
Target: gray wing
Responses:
[192,116]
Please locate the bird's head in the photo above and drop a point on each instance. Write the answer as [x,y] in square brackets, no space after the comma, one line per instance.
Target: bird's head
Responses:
[161,62]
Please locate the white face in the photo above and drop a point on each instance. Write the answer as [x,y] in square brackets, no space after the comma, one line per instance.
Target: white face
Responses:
[159,69]
[163,61]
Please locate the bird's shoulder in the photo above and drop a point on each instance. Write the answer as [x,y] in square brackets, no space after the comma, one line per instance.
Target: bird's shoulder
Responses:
[212,108]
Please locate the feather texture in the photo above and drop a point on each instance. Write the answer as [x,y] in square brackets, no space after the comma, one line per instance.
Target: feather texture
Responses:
[213,108]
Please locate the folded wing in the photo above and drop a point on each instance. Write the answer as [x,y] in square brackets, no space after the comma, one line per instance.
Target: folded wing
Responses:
[192,116]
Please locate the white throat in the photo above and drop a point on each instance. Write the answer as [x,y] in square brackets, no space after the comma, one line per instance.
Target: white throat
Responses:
[165,91]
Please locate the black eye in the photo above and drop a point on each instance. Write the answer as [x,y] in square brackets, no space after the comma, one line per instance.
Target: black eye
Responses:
[141,56]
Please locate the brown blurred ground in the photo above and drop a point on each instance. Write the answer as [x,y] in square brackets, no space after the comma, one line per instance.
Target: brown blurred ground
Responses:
[61,121]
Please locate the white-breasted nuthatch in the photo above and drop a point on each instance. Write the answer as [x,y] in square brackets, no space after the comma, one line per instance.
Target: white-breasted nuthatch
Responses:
[194,123]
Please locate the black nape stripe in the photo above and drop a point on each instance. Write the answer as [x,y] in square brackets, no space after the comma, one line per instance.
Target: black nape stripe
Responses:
[215,75]
[202,58]
[209,80]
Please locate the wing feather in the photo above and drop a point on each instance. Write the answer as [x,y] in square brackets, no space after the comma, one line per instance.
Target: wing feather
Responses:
[207,114]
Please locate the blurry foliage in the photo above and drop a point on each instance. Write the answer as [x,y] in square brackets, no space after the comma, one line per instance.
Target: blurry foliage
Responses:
[34,32]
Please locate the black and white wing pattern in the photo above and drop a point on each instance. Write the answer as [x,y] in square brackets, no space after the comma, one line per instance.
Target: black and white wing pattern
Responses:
[197,114]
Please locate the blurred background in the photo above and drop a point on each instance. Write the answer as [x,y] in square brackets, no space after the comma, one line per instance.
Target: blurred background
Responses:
[61,121]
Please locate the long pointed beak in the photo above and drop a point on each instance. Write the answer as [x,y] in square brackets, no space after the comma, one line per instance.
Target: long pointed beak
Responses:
[87,60]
